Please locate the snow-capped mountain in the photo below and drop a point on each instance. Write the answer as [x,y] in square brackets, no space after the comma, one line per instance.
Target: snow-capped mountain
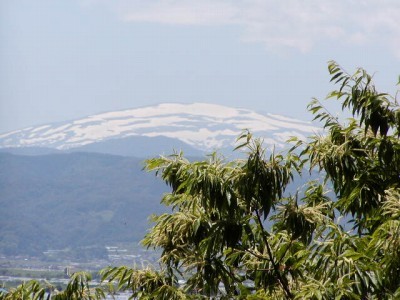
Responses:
[203,126]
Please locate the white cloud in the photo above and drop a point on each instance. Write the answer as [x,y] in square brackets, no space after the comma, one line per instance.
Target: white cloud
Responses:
[276,24]
[183,12]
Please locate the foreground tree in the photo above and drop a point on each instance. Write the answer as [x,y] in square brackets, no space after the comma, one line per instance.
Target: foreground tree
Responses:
[236,232]
[78,288]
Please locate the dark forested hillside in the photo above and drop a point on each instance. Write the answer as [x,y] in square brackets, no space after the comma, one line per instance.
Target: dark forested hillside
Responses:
[71,200]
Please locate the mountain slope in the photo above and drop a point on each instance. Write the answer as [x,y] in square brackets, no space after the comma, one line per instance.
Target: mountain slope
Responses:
[201,126]
[57,201]
[139,146]
[75,200]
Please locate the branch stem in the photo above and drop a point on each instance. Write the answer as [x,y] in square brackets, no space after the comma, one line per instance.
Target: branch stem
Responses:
[281,279]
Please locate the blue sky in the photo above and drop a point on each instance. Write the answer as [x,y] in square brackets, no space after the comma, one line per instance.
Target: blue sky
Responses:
[65,59]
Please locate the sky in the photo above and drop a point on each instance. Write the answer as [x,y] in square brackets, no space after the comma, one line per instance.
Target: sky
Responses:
[66,59]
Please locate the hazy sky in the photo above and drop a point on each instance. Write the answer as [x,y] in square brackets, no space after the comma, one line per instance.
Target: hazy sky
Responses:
[65,59]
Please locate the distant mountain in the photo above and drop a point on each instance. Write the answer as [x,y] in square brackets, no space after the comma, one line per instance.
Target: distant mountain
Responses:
[194,128]
[59,201]
[60,187]
[138,146]
[30,150]
[75,200]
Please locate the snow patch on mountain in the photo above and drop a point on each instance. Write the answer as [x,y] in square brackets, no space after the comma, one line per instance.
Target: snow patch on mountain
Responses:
[201,125]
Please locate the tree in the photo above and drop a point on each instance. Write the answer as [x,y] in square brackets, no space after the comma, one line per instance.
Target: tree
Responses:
[78,288]
[236,231]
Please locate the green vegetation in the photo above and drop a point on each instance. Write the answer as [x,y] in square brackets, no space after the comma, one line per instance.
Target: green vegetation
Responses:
[236,233]
[77,288]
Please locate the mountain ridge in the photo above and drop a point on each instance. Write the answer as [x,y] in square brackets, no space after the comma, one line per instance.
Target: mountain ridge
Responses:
[197,126]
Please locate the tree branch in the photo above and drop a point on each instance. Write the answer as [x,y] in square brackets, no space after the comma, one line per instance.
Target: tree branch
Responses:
[281,279]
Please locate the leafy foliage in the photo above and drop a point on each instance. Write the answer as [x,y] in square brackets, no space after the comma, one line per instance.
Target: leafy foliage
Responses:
[77,288]
[234,231]
[30,290]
